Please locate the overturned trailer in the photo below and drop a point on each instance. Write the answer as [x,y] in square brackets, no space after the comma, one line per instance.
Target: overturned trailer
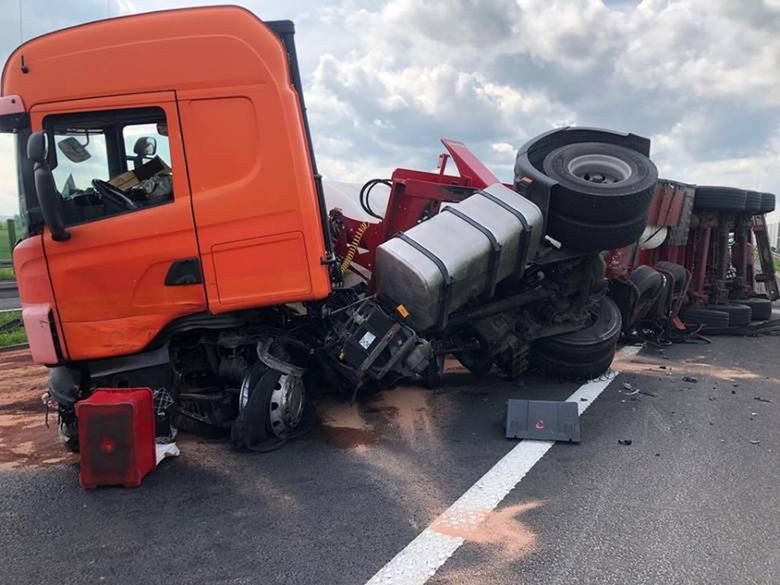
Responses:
[196,256]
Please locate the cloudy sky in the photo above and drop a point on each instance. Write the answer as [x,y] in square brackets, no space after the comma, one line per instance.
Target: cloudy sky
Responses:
[385,80]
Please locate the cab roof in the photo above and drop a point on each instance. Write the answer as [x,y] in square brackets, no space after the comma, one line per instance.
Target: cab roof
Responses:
[184,49]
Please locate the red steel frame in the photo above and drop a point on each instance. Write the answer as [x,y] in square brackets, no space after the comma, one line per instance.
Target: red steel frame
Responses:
[414,196]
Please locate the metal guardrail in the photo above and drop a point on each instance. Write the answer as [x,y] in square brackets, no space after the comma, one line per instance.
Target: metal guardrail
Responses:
[8,289]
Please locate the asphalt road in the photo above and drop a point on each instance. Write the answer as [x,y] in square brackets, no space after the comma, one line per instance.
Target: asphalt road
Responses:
[690,500]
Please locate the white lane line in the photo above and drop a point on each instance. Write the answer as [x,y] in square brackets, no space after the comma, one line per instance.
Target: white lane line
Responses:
[422,557]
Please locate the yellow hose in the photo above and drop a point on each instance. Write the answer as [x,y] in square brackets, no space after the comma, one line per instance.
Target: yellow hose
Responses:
[353,247]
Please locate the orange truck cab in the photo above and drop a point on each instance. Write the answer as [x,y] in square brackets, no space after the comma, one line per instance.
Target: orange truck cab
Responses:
[176,235]
[231,221]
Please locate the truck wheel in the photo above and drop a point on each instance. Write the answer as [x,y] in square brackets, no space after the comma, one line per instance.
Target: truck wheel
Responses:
[713,322]
[739,314]
[767,202]
[583,354]
[595,236]
[753,201]
[600,182]
[271,408]
[760,309]
[719,199]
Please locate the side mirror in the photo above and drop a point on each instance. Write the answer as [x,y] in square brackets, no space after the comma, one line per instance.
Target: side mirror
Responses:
[48,197]
[145,146]
[73,149]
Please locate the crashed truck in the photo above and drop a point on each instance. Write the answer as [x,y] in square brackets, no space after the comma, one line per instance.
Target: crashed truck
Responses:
[177,236]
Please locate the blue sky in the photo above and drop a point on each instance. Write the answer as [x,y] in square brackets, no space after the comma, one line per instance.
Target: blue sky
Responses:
[385,80]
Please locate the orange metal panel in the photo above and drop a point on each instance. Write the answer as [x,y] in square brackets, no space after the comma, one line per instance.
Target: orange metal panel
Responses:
[37,299]
[109,276]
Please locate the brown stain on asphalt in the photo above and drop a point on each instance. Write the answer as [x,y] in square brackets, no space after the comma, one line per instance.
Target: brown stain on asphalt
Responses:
[24,439]
[500,529]
[649,366]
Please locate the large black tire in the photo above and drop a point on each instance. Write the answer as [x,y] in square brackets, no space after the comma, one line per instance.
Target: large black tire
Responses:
[583,354]
[709,318]
[767,203]
[719,199]
[600,182]
[760,309]
[753,201]
[679,273]
[739,315]
[593,236]
[647,280]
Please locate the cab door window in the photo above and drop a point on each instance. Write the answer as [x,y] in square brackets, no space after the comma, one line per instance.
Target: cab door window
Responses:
[110,162]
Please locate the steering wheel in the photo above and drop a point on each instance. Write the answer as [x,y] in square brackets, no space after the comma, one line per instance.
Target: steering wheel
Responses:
[113,194]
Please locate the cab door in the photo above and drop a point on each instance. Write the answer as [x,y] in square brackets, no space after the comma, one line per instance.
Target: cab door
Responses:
[127,270]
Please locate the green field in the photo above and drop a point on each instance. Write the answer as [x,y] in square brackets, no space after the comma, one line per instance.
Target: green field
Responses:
[15,335]
[6,273]
[5,245]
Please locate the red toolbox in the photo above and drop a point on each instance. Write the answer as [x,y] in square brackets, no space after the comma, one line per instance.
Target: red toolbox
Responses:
[116,436]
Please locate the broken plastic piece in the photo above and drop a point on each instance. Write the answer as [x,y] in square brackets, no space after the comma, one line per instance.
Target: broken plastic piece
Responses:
[543,420]
[165,450]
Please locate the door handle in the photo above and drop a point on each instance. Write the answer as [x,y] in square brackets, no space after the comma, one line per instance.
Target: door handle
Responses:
[184,272]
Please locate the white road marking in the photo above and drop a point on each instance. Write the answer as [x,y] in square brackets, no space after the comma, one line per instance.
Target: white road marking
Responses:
[422,557]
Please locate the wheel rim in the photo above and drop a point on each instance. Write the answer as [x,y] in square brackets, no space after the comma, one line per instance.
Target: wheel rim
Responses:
[600,169]
[246,387]
[286,405]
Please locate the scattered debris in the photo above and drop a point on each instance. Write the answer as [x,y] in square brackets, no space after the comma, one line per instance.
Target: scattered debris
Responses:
[753,414]
[755,442]
[650,394]
[631,390]
[165,450]
[625,442]
[733,391]
[761,399]
[690,379]
[583,399]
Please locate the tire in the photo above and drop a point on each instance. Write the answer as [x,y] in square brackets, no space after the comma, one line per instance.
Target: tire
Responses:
[646,279]
[739,315]
[719,199]
[753,201]
[760,309]
[679,273]
[594,237]
[707,317]
[582,354]
[258,426]
[561,370]
[600,182]
[767,203]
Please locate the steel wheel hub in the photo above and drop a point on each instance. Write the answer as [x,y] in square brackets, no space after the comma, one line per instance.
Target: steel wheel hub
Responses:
[286,405]
[599,168]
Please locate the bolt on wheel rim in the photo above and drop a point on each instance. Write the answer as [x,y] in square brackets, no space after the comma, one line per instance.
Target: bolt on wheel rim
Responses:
[286,405]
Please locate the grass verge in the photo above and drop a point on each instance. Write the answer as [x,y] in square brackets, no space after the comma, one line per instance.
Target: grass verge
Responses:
[15,335]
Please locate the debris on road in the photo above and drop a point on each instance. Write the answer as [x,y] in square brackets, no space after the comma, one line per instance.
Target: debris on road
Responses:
[631,390]
[544,420]
[625,442]
[755,442]
[761,399]
[165,450]
[690,379]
